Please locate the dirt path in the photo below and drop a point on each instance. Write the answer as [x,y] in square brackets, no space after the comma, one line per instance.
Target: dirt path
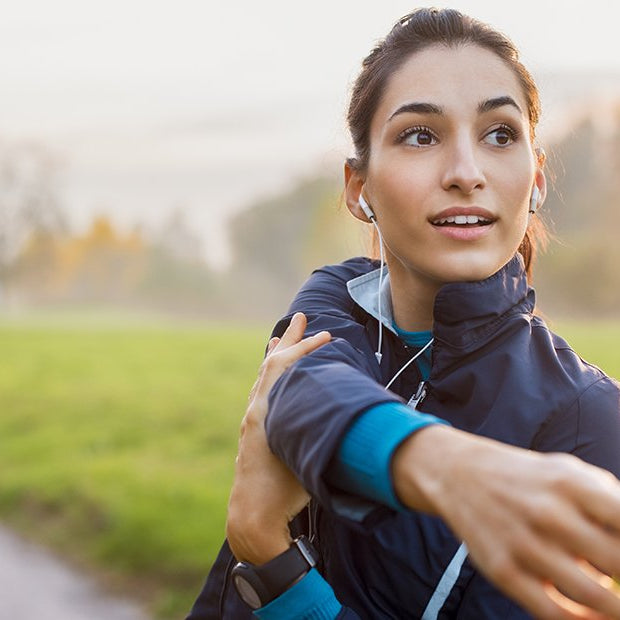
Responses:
[38,586]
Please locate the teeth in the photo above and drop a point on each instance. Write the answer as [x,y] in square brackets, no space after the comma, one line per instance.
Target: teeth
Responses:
[462,219]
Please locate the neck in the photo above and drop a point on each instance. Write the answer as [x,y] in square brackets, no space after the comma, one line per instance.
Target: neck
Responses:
[413,298]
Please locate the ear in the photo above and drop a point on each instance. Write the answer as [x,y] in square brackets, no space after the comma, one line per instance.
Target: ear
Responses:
[541,181]
[353,184]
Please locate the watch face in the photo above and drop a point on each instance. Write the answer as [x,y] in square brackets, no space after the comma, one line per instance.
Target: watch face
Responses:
[247,592]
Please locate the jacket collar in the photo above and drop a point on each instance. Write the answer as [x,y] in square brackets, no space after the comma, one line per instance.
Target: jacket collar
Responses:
[363,291]
[466,314]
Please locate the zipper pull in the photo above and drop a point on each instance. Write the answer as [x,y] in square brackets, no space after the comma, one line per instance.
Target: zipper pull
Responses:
[419,395]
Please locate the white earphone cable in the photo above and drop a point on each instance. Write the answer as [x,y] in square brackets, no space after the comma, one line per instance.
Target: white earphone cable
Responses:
[413,359]
[378,354]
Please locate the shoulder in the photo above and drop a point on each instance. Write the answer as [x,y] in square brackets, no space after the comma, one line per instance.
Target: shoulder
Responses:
[590,414]
[345,271]
[326,288]
[565,366]
[598,414]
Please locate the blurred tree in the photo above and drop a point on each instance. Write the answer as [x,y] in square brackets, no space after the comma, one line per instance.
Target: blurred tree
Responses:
[106,267]
[579,274]
[101,265]
[277,242]
[29,203]
[177,239]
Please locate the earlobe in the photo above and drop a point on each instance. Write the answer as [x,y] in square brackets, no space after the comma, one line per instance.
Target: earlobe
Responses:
[354,182]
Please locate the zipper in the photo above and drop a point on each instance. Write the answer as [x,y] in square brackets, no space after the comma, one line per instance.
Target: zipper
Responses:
[419,396]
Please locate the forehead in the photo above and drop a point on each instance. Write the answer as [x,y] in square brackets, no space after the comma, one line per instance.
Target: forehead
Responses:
[456,78]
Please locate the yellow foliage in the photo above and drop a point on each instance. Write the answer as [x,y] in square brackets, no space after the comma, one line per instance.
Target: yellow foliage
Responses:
[100,263]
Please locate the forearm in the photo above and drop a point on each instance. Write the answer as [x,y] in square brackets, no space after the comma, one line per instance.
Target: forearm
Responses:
[424,463]
[436,470]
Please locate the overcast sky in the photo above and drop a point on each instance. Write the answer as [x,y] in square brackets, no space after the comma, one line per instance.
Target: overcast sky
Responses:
[205,104]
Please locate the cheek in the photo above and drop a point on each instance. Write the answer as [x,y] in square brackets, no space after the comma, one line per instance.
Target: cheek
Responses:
[513,193]
[400,190]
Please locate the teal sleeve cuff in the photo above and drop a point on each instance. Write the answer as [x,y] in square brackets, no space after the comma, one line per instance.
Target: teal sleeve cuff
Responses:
[311,598]
[363,463]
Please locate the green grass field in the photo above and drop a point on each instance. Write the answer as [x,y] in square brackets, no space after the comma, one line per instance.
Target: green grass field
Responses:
[117,444]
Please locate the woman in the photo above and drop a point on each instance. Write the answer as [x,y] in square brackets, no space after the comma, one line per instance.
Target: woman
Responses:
[443,120]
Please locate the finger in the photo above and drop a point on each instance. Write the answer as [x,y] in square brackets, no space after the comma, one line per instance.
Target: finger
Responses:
[286,357]
[568,576]
[584,539]
[280,360]
[601,499]
[543,601]
[594,490]
[576,609]
[294,332]
[271,345]
[305,346]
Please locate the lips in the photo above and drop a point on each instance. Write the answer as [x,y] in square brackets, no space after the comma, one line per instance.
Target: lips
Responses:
[463,216]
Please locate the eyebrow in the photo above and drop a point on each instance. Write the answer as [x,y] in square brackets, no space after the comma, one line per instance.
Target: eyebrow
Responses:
[420,108]
[431,108]
[497,102]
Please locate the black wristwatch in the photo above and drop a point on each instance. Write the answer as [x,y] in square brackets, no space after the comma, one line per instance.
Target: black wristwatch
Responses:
[259,585]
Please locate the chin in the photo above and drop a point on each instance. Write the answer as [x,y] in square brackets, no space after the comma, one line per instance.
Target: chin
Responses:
[469,269]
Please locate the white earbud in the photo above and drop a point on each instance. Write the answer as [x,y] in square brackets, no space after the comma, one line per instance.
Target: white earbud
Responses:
[368,212]
[534,200]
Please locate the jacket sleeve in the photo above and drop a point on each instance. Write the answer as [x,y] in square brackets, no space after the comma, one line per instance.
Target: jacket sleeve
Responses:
[315,401]
[313,404]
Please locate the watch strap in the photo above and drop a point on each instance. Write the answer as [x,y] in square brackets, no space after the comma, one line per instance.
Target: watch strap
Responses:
[271,579]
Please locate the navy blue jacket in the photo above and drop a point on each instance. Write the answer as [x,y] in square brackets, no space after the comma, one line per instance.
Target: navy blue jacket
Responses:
[497,371]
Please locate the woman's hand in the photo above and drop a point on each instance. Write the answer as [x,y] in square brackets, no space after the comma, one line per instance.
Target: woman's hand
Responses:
[535,524]
[265,495]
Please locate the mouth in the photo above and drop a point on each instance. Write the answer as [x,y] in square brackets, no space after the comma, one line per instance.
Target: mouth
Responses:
[466,221]
[463,217]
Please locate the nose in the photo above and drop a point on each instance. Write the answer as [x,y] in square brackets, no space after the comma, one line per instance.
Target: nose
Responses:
[463,169]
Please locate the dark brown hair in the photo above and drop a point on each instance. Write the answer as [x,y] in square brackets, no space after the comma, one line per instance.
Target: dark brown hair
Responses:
[413,33]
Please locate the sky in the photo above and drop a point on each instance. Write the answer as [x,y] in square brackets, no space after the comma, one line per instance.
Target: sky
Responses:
[205,105]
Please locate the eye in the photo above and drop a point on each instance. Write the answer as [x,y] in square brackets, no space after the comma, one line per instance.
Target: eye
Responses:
[502,136]
[418,137]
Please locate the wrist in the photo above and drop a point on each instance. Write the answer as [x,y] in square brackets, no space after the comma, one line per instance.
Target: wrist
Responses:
[422,467]
[256,544]
[263,549]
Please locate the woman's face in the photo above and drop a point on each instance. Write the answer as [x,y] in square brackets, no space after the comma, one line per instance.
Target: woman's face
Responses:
[451,165]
